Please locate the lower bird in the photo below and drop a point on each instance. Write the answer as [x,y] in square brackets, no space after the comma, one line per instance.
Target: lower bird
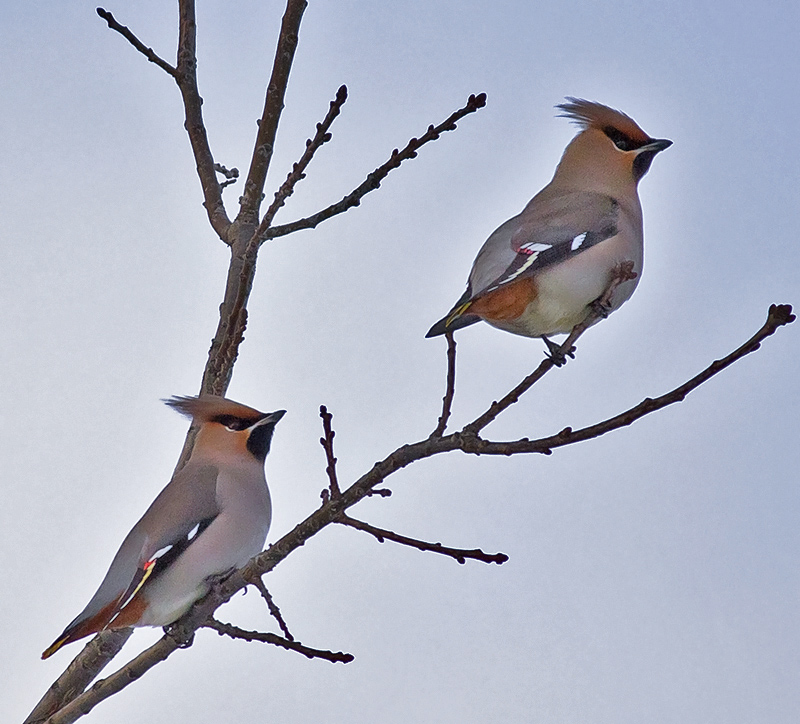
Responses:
[212,517]
[544,270]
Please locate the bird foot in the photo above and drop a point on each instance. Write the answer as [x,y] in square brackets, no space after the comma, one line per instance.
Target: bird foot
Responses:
[173,630]
[554,353]
[216,578]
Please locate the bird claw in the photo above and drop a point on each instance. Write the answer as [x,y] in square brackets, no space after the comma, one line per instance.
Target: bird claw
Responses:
[554,353]
[183,641]
[216,579]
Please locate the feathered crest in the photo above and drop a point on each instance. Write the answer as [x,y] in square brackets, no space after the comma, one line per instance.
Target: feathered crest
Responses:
[588,114]
[211,407]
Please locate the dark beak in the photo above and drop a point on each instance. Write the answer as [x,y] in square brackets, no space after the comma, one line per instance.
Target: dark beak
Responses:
[654,146]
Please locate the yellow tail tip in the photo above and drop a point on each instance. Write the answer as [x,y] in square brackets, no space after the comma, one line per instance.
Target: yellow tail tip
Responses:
[50,650]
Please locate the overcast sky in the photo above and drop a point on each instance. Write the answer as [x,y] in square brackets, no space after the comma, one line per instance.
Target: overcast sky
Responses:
[653,574]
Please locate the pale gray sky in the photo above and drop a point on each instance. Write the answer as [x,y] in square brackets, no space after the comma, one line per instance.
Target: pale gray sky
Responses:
[653,573]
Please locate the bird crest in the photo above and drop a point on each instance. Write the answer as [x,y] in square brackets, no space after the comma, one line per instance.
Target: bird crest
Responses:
[588,114]
[211,408]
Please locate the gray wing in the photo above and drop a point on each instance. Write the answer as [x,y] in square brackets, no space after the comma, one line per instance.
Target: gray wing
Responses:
[547,232]
[187,503]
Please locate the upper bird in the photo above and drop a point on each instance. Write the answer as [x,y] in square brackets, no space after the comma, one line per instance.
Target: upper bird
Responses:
[212,517]
[541,271]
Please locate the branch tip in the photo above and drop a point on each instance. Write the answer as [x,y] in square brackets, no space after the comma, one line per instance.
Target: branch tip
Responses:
[781,314]
[458,554]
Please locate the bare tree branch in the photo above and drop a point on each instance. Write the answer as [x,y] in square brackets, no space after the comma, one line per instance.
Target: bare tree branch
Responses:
[194,124]
[331,511]
[94,657]
[327,442]
[779,315]
[450,386]
[136,43]
[272,606]
[244,236]
[374,179]
[459,554]
[235,632]
[297,173]
[185,75]
[231,175]
[273,106]
[105,688]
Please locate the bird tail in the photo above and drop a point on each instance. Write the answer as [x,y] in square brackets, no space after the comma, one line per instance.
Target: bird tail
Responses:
[456,319]
[81,628]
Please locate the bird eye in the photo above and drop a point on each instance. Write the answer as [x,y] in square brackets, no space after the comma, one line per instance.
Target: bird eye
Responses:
[619,139]
[234,424]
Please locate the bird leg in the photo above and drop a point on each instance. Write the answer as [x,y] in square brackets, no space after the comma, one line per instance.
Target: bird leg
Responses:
[216,578]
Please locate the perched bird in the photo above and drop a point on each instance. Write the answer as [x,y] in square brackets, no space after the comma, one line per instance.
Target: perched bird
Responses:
[540,272]
[212,517]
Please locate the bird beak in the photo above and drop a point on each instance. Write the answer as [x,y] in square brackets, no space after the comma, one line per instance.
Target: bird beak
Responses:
[655,146]
[272,417]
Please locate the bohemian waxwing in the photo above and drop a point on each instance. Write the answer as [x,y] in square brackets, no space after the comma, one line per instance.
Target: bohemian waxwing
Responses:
[540,272]
[212,517]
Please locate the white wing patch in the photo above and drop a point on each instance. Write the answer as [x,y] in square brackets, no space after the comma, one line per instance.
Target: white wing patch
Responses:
[577,241]
[532,258]
[161,551]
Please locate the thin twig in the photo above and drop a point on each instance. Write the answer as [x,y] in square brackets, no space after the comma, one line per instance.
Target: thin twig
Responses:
[272,606]
[273,106]
[450,387]
[374,179]
[194,124]
[231,175]
[235,632]
[459,554]
[297,173]
[327,443]
[136,43]
[380,492]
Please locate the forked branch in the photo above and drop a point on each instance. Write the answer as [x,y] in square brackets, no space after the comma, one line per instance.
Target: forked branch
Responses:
[297,173]
[374,179]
